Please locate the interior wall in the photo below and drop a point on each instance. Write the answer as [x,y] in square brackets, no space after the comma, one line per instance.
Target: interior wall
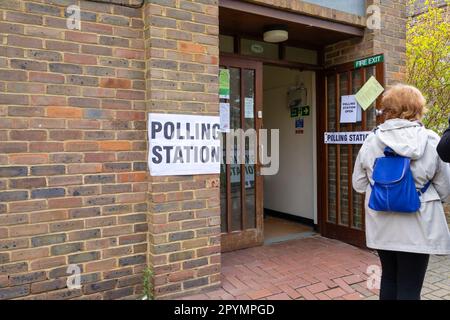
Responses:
[291,190]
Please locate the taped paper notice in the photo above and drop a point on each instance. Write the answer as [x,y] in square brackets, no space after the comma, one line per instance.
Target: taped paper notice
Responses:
[369,93]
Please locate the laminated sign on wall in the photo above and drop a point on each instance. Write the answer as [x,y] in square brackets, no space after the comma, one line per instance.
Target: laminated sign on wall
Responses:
[183,144]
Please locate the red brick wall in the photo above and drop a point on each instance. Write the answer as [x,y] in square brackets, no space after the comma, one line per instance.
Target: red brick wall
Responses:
[184,214]
[73,152]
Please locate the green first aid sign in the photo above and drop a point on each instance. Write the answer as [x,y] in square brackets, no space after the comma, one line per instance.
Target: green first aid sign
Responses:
[300,112]
[294,112]
[369,61]
[305,111]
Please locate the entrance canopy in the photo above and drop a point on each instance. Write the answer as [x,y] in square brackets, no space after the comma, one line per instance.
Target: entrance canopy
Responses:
[238,17]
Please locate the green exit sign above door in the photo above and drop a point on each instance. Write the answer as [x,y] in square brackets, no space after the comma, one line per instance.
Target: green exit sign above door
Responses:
[369,61]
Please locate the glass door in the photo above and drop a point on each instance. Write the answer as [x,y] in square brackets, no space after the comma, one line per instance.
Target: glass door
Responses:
[342,209]
[240,183]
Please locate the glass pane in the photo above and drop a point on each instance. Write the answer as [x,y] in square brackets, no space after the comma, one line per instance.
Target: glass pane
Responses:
[357,197]
[331,111]
[343,160]
[259,49]
[235,123]
[248,77]
[370,113]
[226,43]
[301,55]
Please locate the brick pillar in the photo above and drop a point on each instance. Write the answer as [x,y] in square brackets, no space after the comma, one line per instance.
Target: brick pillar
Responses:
[182,49]
[390,40]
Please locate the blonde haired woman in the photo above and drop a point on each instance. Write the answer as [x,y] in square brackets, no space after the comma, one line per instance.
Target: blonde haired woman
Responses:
[404,241]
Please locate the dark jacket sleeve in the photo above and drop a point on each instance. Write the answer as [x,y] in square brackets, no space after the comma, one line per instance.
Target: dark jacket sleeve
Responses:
[443,147]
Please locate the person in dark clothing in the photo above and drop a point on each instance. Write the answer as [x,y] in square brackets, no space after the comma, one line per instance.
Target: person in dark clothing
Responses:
[443,148]
[403,274]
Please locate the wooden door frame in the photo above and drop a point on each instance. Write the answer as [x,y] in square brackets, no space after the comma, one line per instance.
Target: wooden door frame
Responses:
[238,59]
[240,239]
[343,233]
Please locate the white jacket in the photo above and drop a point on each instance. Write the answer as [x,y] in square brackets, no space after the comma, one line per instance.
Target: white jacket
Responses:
[424,232]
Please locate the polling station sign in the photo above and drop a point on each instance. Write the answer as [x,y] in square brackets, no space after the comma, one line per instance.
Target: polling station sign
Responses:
[355,137]
[183,144]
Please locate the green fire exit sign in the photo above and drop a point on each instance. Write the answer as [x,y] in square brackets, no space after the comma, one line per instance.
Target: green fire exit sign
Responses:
[369,61]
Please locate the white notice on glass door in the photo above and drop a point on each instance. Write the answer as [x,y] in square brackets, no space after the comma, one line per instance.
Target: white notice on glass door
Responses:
[249,105]
[350,110]
[224,117]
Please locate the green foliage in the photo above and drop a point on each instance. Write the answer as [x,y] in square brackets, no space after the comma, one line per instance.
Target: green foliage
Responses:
[428,61]
[148,284]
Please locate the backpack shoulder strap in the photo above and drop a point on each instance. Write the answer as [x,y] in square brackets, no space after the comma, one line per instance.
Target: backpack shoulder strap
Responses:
[425,188]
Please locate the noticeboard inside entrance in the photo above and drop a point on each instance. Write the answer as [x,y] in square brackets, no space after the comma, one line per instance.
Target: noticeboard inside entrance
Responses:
[182,144]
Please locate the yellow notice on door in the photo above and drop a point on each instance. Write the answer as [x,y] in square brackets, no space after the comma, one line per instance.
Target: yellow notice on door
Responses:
[369,93]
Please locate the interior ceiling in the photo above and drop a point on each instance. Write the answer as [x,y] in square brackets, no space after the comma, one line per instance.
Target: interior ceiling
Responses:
[251,25]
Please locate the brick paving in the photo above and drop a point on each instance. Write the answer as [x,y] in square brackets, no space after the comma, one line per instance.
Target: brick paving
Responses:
[314,268]
[437,280]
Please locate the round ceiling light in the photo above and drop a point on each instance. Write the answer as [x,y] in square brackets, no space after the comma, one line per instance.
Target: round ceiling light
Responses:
[275,33]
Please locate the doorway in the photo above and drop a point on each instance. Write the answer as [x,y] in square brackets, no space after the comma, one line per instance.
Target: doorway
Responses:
[259,209]
[241,183]
[289,196]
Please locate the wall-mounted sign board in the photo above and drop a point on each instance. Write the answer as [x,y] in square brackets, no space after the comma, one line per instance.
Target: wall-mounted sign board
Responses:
[305,111]
[300,111]
[182,144]
[299,125]
[368,61]
[355,137]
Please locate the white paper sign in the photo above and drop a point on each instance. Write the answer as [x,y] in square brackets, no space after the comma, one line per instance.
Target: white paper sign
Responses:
[355,137]
[350,110]
[183,144]
[248,102]
[224,117]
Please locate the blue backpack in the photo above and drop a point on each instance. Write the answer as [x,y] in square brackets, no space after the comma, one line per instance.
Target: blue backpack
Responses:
[394,188]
